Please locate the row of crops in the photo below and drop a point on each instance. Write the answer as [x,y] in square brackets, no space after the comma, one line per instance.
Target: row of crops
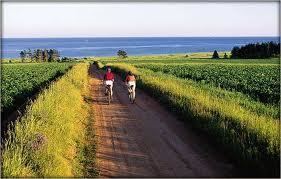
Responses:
[20,81]
[243,128]
[261,82]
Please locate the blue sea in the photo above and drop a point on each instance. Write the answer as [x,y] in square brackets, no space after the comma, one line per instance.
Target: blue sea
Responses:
[83,47]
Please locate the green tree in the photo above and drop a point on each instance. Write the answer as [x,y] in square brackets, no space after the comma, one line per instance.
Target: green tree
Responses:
[34,56]
[225,56]
[56,55]
[122,54]
[235,52]
[22,55]
[51,55]
[39,55]
[215,55]
[29,55]
[45,55]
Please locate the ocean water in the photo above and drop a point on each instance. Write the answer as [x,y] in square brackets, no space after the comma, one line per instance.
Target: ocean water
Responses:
[83,47]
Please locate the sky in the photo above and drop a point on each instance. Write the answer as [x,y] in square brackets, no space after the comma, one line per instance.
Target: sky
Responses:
[139,19]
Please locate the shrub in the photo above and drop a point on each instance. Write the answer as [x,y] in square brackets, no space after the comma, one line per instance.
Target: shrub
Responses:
[225,56]
[122,54]
[215,55]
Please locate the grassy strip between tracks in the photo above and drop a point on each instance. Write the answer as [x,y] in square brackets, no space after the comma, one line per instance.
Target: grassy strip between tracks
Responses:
[251,139]
[51,139]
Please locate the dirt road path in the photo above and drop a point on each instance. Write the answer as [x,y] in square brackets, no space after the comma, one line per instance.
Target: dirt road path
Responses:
[144,140]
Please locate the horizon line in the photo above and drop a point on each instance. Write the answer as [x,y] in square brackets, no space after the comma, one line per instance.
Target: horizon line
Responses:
[136,37]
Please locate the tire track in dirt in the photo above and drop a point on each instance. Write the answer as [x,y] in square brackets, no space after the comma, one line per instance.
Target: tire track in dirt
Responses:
[145,140]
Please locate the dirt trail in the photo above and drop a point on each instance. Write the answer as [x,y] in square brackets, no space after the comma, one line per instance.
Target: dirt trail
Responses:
[144,140]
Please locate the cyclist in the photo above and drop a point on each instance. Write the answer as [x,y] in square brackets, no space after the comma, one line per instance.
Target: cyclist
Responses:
[108,80]
[131,84]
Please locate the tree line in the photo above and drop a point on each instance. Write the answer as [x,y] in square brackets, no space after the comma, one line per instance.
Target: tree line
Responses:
[40,55]
[258,50]
[253,51]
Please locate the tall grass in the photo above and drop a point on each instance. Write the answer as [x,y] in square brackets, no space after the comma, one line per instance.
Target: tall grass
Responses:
[44,141]
[251,139]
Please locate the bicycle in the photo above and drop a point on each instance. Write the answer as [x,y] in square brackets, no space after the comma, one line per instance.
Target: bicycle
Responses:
[131,89]
[108,92]
[131,94]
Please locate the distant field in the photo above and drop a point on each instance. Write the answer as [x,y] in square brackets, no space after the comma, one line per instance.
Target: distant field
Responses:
[13,60]
[181,58]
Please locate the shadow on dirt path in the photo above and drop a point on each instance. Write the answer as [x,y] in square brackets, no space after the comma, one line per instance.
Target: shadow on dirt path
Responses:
[145,140]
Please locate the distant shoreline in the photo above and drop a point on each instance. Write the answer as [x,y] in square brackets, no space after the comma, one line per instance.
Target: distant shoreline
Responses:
[134,46]
[144,55]
[141,37]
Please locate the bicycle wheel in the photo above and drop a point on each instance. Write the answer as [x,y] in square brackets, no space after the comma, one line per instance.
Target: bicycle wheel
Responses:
[133,97]
[130,96]
[108,96]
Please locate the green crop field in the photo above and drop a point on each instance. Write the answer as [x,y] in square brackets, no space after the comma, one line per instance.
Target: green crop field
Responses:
[20,81]
[261,82]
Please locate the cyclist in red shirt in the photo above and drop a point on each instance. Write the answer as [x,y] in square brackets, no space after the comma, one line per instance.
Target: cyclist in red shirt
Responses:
[108,80]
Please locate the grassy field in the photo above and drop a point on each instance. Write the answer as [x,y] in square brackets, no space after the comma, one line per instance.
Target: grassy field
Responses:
[11,60]
[182,59]
[51,138]
[246,128]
